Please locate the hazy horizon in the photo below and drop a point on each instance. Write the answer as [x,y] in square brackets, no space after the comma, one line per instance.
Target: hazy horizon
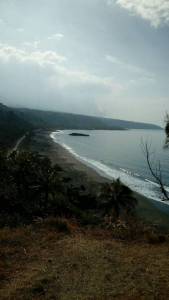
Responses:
[81,114]
[104,58]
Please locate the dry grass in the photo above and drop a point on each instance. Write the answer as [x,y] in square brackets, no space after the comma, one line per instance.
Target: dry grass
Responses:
[40,262]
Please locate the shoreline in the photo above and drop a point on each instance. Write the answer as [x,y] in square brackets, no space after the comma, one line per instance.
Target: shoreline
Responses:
[152,211]
[138,186]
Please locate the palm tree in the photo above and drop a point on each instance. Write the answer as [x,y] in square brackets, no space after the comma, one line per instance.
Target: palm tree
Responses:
[117,198]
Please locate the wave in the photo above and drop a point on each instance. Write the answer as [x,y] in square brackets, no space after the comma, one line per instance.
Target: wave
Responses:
[152,182]
[145,187]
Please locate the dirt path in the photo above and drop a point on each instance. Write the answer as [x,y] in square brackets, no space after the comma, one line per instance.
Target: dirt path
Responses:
[18,143]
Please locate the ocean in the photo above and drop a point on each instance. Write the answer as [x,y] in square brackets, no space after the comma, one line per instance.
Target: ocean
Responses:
[119,154]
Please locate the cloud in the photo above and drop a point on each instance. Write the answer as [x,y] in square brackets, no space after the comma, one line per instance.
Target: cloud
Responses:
[34,44]
[20,30]
[56,36]
[2,21]
[154,11]
[140,72]
[8,53]
[67,76]
[44,79]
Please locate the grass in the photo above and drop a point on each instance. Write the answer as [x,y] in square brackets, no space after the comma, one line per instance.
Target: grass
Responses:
[43,261]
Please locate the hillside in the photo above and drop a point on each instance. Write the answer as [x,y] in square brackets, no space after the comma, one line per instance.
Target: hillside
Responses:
[59,120]
[15,122]
[83,255]
[11,126]
[60,240]
[46,264]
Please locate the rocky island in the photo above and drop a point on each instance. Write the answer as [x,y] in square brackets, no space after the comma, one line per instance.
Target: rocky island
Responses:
[79,134]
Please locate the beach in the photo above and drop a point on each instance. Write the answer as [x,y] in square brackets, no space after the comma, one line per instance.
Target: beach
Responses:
[151,211]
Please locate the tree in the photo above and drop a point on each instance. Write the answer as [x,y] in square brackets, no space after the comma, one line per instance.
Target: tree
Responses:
[156,171]
[28,185]
[167,129]
[117,198]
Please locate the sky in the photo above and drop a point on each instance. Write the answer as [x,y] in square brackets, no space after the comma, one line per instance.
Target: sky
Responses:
[97,57]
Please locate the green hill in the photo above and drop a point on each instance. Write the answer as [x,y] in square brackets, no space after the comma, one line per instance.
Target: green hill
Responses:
[11,126]
[15,122]
[60,120]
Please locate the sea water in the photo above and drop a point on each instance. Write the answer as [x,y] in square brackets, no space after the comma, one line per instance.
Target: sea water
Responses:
[119,154]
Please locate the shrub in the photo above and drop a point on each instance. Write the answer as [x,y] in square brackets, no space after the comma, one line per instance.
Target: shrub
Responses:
[28,186]
[153,237]
[117,199]
[58,224]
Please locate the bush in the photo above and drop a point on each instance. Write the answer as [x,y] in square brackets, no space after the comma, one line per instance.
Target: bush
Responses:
[116,199]
[28,187]
[153,237]
[58,224]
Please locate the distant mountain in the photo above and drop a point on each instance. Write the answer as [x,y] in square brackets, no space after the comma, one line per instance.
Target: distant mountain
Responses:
[11,126]
[15,122]
[58,120]
[132,124]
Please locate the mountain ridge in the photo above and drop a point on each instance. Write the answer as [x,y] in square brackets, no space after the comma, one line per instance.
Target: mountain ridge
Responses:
[15,122]
[64,120]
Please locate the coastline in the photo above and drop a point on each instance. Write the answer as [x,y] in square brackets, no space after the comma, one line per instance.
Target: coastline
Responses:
[57,257]
[152,211]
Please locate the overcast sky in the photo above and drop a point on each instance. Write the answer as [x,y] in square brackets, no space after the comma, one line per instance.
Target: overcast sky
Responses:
[97,57]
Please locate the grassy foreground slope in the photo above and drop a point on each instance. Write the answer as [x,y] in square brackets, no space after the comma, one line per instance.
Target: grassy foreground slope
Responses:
[41,262]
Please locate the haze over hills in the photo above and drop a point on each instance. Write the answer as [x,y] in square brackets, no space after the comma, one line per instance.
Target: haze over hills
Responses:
[15,122]
[61,120]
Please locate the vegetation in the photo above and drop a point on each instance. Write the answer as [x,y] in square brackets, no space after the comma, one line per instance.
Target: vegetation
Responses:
[54,256]
[167,126]
[14,123]
[12,127]
[116,197]
[41,261]
[58,120]
[59,239]
[27,187]
[156,170]
[31,187]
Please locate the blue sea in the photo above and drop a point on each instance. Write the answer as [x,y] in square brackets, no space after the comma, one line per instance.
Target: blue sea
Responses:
[119,154]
